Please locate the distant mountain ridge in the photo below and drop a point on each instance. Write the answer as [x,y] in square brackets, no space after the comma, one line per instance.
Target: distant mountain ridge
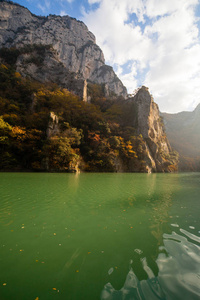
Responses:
[183,132]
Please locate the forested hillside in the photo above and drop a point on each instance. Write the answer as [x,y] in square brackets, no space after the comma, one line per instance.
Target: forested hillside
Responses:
[63,109]
[89,136]
[45,127]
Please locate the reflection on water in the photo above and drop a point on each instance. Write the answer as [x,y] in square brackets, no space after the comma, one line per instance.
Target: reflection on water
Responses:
[75,233]
[178,277]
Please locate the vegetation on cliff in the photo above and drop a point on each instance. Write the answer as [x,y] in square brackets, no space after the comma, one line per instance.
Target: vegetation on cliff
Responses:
[85,137]
[92,137]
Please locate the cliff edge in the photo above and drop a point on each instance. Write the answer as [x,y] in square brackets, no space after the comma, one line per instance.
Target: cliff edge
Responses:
[148,122]
[46,64]
[72,48]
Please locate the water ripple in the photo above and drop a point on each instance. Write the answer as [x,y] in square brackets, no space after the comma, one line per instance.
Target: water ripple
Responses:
[178,276]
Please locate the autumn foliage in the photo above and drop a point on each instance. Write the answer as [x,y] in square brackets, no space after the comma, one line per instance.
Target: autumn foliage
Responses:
[47,128]
[92,136]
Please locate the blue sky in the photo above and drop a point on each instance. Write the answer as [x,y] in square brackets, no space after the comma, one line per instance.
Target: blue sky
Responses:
[148,42]
[72,8]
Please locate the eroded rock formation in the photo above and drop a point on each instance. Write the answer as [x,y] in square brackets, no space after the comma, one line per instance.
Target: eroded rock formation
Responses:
[61,50]
[73,48]
[148,122]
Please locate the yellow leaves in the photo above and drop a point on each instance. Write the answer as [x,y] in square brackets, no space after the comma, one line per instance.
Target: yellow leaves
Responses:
[172,168]
[18,130]
[77,271]
[57,93]
[94,136]
[19,133]
[4,125]
[41,93]
[37,298]
[17,75]
[4,67]
[129,146]
[55,289]
[13,107]
[66,92]
[4,284]
[132,152]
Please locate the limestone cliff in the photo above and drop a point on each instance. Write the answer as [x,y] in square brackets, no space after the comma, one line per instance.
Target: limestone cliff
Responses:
[53,126]
[147,121]
[61,50]
[73,54]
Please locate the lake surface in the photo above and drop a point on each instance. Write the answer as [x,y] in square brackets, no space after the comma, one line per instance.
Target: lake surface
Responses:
[99,236]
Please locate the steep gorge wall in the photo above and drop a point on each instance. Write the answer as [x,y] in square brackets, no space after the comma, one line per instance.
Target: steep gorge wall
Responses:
[147,121]
[74,45]
[62,50]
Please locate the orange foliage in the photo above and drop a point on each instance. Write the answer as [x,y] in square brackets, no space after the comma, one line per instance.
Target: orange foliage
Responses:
[19,133]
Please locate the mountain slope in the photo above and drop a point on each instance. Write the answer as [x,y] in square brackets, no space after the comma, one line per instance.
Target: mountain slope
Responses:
[183,131]
[73,46]
[48,65]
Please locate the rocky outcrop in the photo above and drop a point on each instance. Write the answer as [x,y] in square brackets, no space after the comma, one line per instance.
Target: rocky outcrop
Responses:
[159,156]
[53,126]
[74,47]
[42,64]
[61,50]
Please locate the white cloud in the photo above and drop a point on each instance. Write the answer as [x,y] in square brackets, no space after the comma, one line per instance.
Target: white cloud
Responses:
[63,13]
[47,3]
[128,78]
[161,38]
[93,1]
[42,8]
[45,7]
[69,1]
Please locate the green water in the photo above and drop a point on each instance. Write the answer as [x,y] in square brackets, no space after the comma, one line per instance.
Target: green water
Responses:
[67,236]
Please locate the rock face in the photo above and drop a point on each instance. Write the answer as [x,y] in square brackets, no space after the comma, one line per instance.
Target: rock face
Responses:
[148,123]
[73,47]
[62,50]
[53,126]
